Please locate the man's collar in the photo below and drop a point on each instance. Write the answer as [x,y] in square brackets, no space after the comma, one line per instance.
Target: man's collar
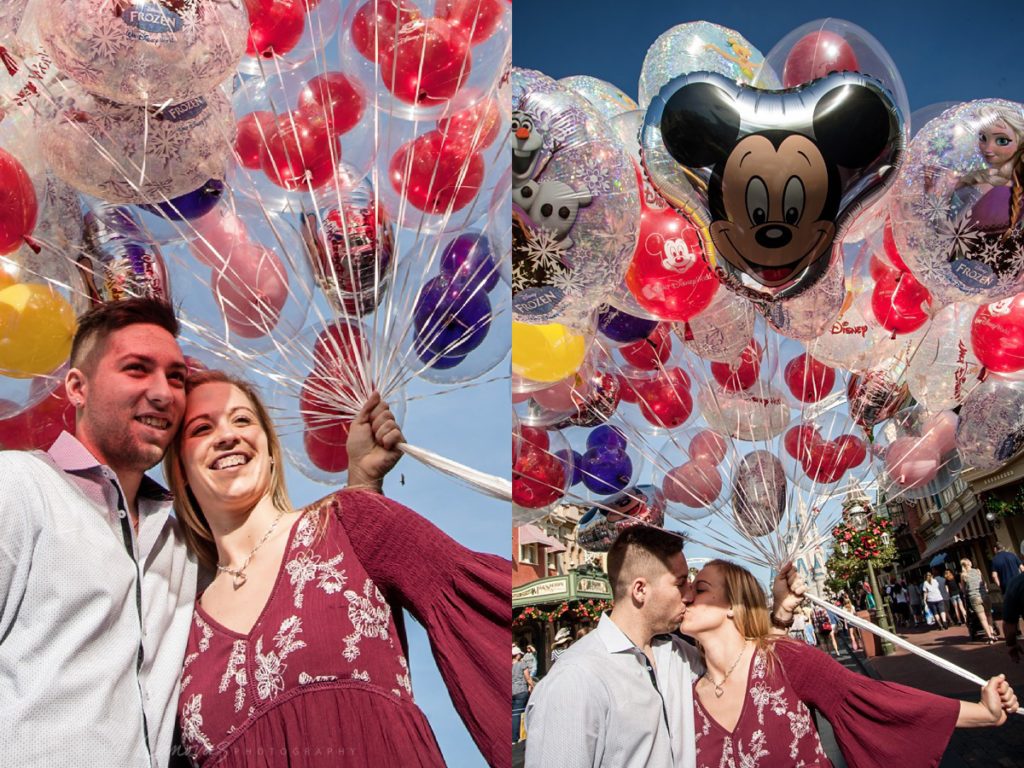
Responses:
[68,453]
[614,639]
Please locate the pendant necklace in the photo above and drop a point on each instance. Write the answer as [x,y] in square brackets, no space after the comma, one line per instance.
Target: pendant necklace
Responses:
[718,686]
[238,574]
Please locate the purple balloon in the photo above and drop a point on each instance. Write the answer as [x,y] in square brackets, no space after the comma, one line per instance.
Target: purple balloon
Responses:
[606,437]
[622,327]
[191,205]
[468,259]
[450,320]
[606,470]
[577,459]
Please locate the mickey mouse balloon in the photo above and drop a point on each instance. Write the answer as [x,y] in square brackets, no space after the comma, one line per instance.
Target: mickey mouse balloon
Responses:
[772,178]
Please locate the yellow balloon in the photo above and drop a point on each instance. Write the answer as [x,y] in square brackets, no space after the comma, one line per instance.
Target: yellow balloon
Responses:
[36,328]
[546,352]
[6,280]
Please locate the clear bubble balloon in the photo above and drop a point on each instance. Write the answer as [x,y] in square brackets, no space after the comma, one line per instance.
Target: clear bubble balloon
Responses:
[954,216]
[991,430]
[700,46]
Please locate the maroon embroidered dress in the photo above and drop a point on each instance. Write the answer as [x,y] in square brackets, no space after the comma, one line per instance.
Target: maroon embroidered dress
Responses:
[876,724]
[321,679]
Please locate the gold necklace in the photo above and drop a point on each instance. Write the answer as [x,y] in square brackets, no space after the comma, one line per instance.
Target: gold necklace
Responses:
[718,686]
[238,574]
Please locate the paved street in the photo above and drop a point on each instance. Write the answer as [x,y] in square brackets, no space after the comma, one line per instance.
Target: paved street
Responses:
[969,748]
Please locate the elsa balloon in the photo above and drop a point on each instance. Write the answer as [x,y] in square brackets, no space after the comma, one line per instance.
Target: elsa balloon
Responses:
[956,212]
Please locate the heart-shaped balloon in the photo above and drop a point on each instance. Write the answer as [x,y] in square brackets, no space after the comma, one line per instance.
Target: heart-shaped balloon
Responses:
[772,178]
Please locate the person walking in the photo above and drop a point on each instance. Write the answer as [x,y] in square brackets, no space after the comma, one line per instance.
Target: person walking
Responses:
[825,625]
[852,630]
[522,686]
[914,598]
[902,605]
[956,602]
[1005,566]
[974,590]
[933,596]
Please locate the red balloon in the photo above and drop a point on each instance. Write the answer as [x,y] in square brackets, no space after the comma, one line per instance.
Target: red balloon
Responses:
[325,446]
[333,97]
[800,439]
[852,451]
[808,379]
[477,18]
[297,153]
[429,173]
[275,26]
[535,436]
[250,137]
[889,245]
[18,206]
[665,401]
[900,303]
[538,478]
[815,55]
[628,389]
[377,23]
[823,461]
[651,353]
[742,373]
[879,269]
[37,428]
[709,447]
[340,342]
[668,275]
[429,63]
[251,290]
[477,127]
[322,395]
[997,335]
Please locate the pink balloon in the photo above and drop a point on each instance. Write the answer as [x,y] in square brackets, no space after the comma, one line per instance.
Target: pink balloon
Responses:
[940,431]
[708,446]
[222,230]
[251,289]
[694,484]
[559,396]
[912,462]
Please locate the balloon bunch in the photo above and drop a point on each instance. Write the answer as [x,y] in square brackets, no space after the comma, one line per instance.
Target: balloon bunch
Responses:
[315,182]
[786,307]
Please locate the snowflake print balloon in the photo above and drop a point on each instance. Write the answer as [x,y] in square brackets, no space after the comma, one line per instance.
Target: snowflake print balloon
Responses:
[957,214]
[575,203]
[145,51]
[125,154]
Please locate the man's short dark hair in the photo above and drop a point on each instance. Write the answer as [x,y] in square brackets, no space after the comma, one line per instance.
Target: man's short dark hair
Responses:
[98,323]
[997,547]
[638,545]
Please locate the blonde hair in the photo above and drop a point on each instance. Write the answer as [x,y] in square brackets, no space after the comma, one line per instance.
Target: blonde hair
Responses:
[965,563]
[749,605]
[196,530]
[1014,120]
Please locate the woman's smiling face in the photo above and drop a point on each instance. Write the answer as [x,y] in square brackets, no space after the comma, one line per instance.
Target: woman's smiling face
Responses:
[998,144]
[224,449]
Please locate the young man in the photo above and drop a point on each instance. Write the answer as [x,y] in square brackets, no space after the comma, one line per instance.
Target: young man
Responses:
[93,568]
[1005,566]
[622,696]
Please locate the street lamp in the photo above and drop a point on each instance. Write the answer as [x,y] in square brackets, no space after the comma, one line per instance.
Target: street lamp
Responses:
[860,518]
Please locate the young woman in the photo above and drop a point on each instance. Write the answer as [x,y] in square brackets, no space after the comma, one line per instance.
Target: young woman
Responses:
[933,597]
[296,655]
[972,585]
[751,705]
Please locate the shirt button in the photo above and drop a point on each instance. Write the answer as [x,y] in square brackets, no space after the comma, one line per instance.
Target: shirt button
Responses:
[122,513]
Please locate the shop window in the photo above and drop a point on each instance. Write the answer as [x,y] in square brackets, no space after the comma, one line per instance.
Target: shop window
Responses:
[528,554]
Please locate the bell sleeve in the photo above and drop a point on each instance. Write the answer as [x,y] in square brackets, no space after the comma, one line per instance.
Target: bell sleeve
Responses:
[876,724]
[461,598]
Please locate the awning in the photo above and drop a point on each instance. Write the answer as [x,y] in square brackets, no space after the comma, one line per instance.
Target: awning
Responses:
[968,524]
[531,534]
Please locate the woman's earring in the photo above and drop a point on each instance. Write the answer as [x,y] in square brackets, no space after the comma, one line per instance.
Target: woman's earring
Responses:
[729,614]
